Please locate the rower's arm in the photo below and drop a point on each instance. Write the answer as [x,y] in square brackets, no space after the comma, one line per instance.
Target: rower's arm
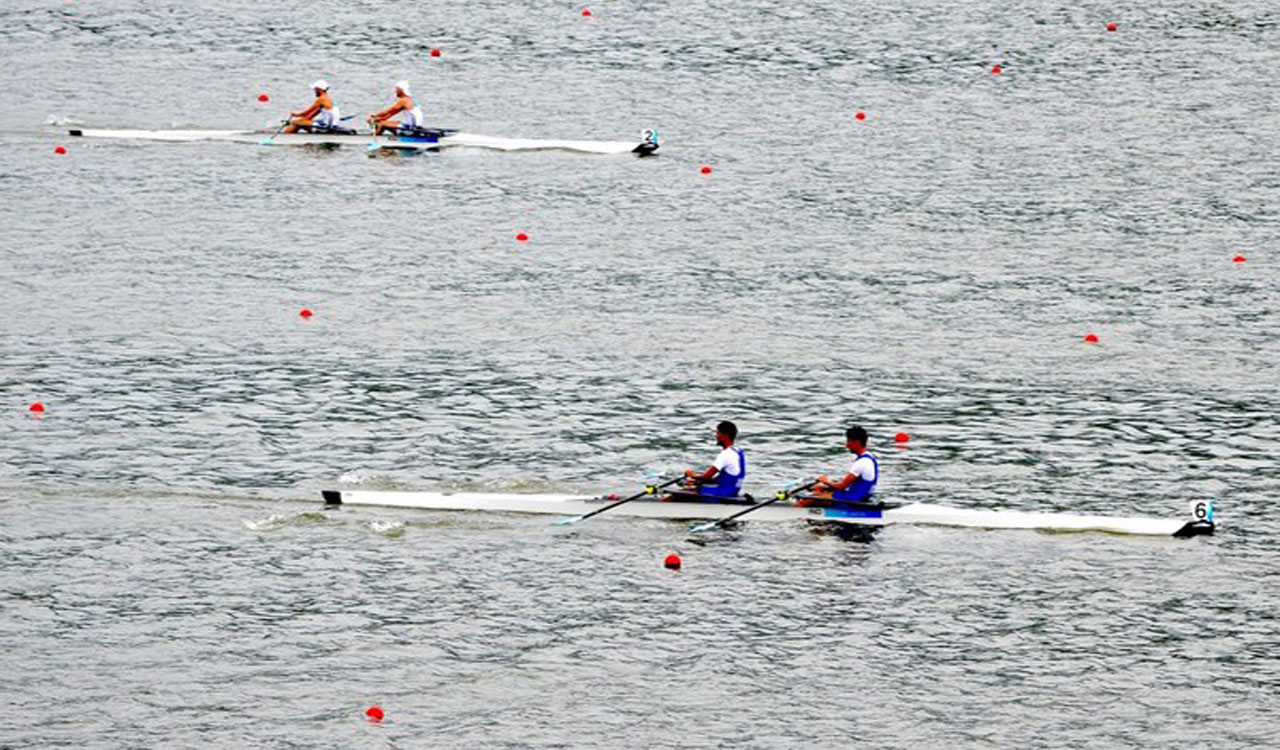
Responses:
[311,111]
[840,485]
[391,111]
[704,477]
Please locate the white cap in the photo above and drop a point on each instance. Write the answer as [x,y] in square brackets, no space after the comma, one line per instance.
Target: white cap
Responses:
[321,84]
[403,86]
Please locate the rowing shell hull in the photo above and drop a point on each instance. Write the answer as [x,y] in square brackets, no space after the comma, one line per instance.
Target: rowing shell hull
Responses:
[468,140]
[915,513]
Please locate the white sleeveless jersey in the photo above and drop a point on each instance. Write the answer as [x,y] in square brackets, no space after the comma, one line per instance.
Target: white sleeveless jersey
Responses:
[327,117]
[413,117]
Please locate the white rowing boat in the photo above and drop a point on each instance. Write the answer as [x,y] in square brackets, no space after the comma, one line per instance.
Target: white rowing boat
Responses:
[871,515]
[647,144]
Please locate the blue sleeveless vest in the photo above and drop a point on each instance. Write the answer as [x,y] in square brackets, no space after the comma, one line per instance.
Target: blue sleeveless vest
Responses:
[728,485]
[860,490]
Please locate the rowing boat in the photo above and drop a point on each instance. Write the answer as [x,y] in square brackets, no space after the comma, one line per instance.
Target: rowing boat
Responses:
[647,144]
[867,515]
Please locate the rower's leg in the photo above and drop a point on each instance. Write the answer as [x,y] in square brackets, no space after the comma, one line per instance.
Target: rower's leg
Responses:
[297,124]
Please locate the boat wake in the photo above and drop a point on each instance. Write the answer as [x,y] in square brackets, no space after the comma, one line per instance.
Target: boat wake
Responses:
[278,521]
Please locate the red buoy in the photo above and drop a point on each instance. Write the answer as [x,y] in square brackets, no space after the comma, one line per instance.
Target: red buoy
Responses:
[1112,27]
[1238,259]
[374,713]
[37,407]
[997,69]
[263,98]
[860,116]
[60,150]
[586,12]
[672,562]
[902,437]
[434,52]
[705,170]
[1091,338]
[305,312]
[522,237]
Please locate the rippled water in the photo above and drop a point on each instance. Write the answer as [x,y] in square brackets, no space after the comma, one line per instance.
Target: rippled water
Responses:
[169,579]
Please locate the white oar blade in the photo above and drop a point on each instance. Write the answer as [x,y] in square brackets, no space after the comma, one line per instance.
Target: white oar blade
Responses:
[568,521]
[705,527]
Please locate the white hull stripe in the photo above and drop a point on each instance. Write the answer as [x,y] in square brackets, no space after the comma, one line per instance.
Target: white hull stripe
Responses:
[915,513]
[364,140]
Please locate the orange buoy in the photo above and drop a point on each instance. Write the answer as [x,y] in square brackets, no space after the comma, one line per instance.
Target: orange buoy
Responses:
[860,116]
[997,69]
[672,562]
[522,237]
[586,12]
[60,150]
[1091,338]
[37,407]
[375,713]
[1238,259]
[263,98]
[1112,27]
[434,52]
[902,437]
[305,312]
[705,170]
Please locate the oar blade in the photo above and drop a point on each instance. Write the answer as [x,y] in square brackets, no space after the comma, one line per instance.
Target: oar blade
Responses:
[569,521]
[708,526]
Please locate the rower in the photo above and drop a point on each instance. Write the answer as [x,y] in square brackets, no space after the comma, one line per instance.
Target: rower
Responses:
[321,115]
[723,478]
[404,104]
[859,485]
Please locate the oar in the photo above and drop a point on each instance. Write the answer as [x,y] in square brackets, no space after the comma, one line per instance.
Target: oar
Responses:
[283,124]
[649,490]
[780,495]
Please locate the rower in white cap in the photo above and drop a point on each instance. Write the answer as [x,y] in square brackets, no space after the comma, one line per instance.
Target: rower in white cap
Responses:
[404,105]
[320,115]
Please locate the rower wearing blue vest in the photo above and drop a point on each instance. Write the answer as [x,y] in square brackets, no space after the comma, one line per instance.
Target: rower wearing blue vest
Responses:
[859,485]
[723,478]
[404,105]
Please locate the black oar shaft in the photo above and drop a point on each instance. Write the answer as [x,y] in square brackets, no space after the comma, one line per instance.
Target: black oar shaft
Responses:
[781,495]
[650,490]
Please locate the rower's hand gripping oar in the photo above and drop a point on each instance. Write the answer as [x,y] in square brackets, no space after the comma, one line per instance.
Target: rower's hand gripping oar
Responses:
[780,495]
[649,490]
